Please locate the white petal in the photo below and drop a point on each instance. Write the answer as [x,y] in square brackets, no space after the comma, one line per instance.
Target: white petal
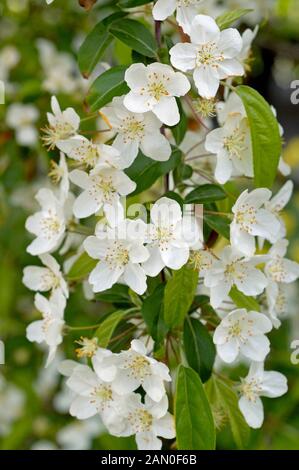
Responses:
[86,204]
[174,257]
[135,277]
[164,427]
[34,331]
[163,8]
[154,265]
[183,56]
[274,384]
[252,411]
[228,351]
[204,29]
[156,146]
[206,82]
[256,348]
[154,387]
[136,76]
[82,408]
[167,111]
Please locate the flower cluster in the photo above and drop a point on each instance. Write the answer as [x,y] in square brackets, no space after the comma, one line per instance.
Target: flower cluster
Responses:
[110,390]
[127,388]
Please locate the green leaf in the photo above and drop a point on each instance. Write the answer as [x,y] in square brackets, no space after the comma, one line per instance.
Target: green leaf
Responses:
[119,293]
[182,172]
[135,35]
[218,223]
[199,348]
[243,301]
[222,396]
[227,19]
[132,3]
[107,327]
[179,131]
[195,427]
[152,313]
[205,194]
[179,294]
[93,48]
[265,137]
[145,171]
[82,267]
[109,84]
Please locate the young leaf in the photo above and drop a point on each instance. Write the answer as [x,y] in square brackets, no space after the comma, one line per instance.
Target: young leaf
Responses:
[227,19]
[145,171]
[92,49]
[199,348]
[218,223]
[118,294]
[243,301]
[265,137]
[179,294]
[109,84]
[152,313]
[205,194]
[107,327]
[179,131]
[135,35]
[222,397]
[195,427]
[82,267]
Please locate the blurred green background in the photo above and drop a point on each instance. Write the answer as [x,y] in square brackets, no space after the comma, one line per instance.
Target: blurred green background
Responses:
[38,45]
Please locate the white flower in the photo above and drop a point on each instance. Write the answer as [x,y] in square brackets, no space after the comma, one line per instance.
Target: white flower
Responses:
[170,237]
[48,224]
[133,368]
[259,383]
[278,202]
[94,396]
[233,269]
[47,278]
[232,145]
[232,107]
[242,332]
[247,38]
[120,253]
[102,188]
[22,117]
[62,124]
[147,421]
[211,54]
[59,174]
[154,88]
[186,10]
[280,269]
[49,329]
[90,154]
[134,131]
[251,220]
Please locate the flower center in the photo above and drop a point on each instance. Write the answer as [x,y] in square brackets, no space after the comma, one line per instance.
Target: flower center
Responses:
[141,420]
[234,144]
[101,396]
[117,255]
[138,366]
[102,188]
[52,134]
[49,280]
[235,330]
[246,217]
[187,3]
[251,389]
[156,86]
[88,347]
[132,129]
[163,235]
[50,225]
[208,55]
[276,270]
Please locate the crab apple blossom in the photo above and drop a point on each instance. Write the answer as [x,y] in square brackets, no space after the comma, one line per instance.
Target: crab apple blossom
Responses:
[90,154]
[121,253]
[147,421]
[93,396]
[242,332]
[278,202]
[154,88]
[102,188]
[62,125]
[134,131]
[133,368]
[252,219]
[259,383]
[46,278]
[48,224]
[232,145]
[186,10]
[279,269]
[212,55]
[233,269]
[49,329]
[170,236]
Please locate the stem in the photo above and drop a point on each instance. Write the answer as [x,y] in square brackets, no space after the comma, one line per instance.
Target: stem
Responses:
[227,214]
[199,156]
[158,34]
[231,87]
[194,146]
